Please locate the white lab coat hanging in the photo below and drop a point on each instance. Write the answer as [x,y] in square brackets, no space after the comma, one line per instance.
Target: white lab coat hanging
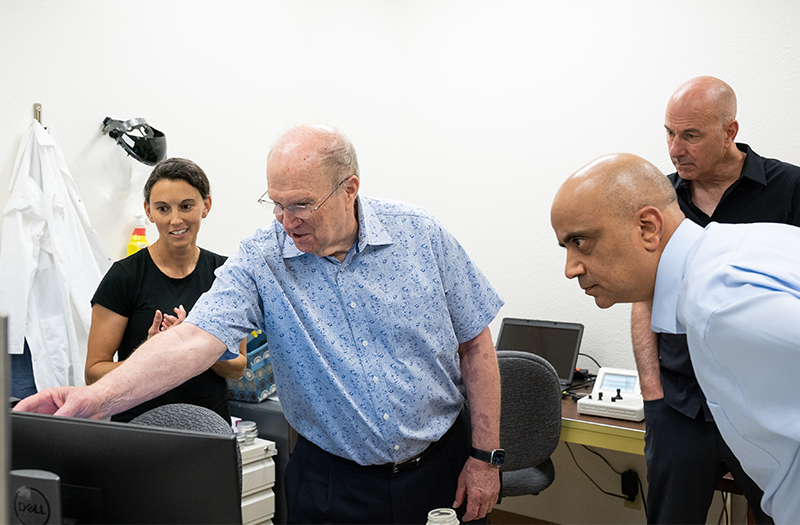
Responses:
[51,261]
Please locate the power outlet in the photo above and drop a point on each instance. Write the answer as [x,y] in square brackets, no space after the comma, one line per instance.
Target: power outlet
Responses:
[630,484]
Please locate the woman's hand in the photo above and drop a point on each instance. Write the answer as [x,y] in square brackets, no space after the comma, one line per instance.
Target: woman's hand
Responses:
[173,320]
[163,322]
[156,326]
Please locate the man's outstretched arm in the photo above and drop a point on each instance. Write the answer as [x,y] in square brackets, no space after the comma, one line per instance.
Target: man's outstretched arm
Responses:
[160,364]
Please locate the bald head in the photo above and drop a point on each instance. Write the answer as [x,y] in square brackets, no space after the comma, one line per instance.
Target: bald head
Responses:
[708,94]
[701,127]
[318,145]
[614,216]
[625,182]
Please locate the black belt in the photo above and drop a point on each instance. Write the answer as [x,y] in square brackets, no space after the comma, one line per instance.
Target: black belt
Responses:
[405,465]
[412,462]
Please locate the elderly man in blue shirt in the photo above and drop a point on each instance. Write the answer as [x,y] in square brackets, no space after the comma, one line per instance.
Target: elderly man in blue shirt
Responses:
[377,322]
[733,289]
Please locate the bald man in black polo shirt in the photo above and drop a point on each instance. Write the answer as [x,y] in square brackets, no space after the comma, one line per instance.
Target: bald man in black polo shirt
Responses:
[717,180]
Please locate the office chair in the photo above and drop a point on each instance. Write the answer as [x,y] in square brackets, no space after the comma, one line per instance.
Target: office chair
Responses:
[530,421]
[182,416]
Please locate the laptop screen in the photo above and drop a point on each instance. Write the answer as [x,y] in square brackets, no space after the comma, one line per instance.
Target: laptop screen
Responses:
[558,343]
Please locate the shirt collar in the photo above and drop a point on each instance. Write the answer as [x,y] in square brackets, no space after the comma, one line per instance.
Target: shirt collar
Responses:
[370,231]
[752,169]
[669,276]
[370,228]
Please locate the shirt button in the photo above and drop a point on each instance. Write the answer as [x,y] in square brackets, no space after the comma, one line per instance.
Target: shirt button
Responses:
[364,343]
[375,378]
[397,447]
[352,304]
[386,416]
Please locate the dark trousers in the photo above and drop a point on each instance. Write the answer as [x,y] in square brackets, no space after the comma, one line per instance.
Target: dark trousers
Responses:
[324,488]
[685,457]
[22,382]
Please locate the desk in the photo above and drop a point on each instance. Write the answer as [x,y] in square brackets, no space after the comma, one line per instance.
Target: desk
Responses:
[620,435]
[604,432]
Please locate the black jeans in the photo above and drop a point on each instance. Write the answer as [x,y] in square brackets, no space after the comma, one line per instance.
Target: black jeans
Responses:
[324,488]
[685,457]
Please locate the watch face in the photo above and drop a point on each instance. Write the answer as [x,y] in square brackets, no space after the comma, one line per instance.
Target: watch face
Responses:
[498,456]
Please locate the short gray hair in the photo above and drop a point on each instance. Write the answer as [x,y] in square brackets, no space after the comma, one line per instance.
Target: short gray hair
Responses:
[339,158]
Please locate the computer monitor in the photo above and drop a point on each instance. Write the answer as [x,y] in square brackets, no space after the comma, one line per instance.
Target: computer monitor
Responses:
[5,430]
[558,343]
[126,473]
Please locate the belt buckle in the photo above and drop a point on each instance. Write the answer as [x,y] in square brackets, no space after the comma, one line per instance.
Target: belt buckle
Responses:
[407,464]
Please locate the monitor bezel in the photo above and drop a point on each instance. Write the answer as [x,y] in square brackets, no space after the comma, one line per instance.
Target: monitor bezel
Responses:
[145,474]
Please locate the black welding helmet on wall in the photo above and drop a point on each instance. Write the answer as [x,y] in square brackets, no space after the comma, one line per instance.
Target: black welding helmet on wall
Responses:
[142,141]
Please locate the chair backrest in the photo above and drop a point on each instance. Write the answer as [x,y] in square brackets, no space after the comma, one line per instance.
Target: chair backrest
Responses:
[530,420]
[184,417]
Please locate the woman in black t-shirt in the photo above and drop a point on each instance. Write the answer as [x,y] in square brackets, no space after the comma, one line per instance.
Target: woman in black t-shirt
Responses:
[139,295]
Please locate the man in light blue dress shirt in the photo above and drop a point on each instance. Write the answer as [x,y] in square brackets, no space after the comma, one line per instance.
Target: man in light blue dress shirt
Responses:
[734,289]
[377,322]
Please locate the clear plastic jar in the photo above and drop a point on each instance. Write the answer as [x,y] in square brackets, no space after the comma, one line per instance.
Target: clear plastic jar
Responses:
[246,432]
[442,517]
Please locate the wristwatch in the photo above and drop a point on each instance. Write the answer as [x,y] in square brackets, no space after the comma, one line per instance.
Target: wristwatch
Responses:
[494,457]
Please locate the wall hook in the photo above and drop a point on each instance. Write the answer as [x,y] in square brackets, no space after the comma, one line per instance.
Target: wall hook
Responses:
[37,112]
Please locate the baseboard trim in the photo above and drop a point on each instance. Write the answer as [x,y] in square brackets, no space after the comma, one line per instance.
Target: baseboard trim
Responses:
[502,517]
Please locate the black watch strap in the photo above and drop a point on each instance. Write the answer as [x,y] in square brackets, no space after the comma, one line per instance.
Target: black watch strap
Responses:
[493,457]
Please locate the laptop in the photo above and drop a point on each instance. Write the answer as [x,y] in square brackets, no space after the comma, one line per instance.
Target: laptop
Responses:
[558,343]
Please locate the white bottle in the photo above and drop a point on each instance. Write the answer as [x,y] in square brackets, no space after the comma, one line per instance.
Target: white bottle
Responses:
[442,517]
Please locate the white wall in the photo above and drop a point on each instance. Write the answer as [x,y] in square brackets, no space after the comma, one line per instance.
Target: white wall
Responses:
[475,110]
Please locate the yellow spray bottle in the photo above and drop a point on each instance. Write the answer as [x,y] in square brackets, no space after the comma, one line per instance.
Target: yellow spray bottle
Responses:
[138,239]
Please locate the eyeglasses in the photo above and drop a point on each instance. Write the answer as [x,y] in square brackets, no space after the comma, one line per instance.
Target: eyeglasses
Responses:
[301,211]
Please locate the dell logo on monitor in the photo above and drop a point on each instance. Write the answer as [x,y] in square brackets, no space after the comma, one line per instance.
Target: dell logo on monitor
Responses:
[36,497]
[31,507]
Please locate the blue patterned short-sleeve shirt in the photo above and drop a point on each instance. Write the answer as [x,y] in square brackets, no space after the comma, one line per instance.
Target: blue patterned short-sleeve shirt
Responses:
[364,351]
